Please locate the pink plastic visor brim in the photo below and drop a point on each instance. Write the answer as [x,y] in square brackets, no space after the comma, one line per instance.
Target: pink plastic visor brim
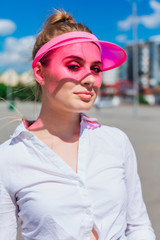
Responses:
[112,55]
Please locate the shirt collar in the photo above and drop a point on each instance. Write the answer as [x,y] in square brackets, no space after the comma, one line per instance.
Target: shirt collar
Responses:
[86,122]
[21,129]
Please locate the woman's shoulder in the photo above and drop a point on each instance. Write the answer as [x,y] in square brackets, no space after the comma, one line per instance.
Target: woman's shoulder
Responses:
[110,131]
[5,155]
[103,131]
[112,135]
[4,147]
[10,148]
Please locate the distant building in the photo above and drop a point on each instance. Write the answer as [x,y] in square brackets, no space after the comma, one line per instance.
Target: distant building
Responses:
[148,64]
[11,78]
[27,78]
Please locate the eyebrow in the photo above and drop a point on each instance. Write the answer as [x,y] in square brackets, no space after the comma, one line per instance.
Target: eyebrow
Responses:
[81,59]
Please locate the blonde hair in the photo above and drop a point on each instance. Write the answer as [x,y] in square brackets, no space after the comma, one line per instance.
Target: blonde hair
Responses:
[58,23]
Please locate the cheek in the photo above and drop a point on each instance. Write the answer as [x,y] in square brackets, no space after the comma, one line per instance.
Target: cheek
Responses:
[55,79]
[54,75]
[55,82]
[51,86]
[57,74]
[98,81]
[51,82]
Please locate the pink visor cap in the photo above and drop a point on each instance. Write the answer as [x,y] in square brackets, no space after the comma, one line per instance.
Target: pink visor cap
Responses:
[112,55]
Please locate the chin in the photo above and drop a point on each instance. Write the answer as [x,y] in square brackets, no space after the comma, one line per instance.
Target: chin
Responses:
[84,107]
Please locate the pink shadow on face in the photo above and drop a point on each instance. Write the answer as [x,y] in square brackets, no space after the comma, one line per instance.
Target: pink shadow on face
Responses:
[86,56]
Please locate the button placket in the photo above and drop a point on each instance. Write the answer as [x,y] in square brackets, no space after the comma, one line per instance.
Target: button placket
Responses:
[87,220]
[88,211]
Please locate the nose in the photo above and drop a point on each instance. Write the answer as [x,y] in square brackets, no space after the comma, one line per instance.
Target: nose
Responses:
[88,80]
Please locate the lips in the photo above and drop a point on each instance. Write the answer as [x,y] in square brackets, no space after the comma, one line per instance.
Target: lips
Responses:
[86,95]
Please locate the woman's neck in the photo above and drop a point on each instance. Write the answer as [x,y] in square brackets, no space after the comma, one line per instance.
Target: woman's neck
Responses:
[65,125]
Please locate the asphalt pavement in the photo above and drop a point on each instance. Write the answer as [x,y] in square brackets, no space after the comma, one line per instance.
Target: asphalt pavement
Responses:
[142,129]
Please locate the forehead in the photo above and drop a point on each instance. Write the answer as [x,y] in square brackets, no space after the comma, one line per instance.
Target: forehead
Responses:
[88,51]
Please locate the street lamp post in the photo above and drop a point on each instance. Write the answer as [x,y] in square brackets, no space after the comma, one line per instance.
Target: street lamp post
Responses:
[135,60]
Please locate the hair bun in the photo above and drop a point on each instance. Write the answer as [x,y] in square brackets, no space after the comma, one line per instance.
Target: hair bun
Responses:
[60,16]
[57,23]
[65,17]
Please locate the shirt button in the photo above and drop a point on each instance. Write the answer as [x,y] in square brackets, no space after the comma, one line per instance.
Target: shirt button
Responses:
[88,212]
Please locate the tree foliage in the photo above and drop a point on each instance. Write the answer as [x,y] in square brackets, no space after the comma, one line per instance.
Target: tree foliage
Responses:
[19,92]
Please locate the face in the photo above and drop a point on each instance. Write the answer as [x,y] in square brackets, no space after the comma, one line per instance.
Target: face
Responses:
[73,77]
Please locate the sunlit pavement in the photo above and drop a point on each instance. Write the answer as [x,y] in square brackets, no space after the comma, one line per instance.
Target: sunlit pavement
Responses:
[143,131]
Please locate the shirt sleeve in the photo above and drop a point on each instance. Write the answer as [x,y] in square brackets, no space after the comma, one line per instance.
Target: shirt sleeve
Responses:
[138,223]
[8,216]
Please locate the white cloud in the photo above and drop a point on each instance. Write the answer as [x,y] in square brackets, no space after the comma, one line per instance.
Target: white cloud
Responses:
[21,46]
[17,53]
[126,24]
[155,38]
[6,27]
[121,38]
[149,21]
[155,5]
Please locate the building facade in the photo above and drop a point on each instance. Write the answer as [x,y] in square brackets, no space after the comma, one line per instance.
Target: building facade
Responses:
[148,64]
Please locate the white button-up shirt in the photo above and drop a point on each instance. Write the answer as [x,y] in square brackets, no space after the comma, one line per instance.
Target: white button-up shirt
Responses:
[56,203]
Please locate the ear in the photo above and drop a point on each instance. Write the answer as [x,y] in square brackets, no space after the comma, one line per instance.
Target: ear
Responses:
[38,73]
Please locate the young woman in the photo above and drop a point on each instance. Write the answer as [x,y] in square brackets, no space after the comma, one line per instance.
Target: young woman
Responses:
[66,176]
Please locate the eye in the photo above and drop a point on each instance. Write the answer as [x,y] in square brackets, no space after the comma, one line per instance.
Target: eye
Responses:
[73,67]
[96,69]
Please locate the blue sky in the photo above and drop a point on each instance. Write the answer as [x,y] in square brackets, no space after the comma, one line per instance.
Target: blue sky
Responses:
[110,20]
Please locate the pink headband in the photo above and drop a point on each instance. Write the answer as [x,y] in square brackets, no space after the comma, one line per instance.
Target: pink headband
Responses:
[112,55]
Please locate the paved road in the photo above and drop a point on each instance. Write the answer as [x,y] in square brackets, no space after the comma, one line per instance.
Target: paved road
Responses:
[143,131]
